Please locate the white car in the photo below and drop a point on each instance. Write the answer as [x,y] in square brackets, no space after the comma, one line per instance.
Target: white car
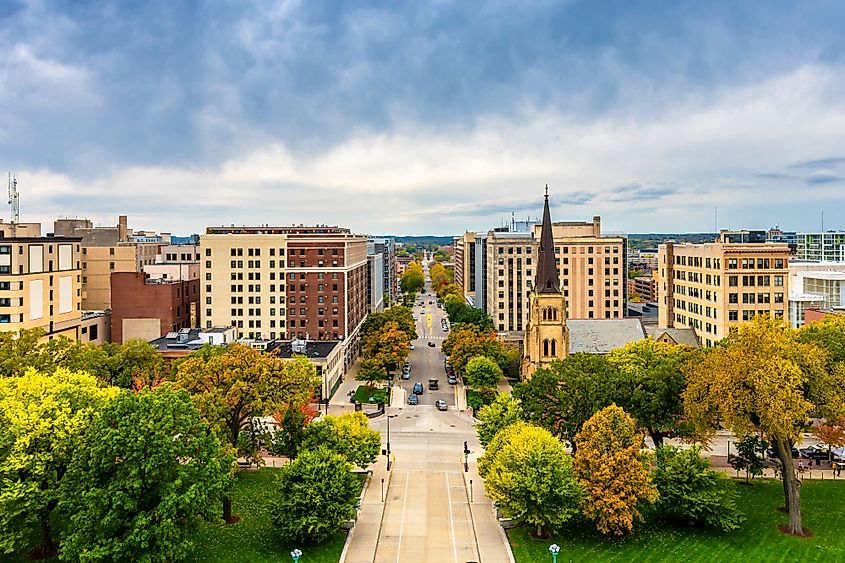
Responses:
[412,346]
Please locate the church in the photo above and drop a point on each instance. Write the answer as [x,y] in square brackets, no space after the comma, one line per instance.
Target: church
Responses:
[551,336]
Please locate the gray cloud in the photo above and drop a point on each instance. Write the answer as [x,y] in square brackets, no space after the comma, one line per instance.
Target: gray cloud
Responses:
[773,176]
[820,163]
[822,178]
[640,192]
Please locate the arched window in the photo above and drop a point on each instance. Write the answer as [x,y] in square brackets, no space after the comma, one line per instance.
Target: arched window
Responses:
[554,314]
[545,347]
[554,348]
[544,314]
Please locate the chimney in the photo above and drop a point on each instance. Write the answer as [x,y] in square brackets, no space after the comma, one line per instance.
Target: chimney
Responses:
[121,228]
[596,226]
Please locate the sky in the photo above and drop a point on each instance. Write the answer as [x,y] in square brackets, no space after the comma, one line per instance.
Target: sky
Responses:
[425,117]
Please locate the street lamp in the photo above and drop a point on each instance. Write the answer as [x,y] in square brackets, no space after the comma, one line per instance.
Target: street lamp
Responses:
[388,439]
[554,549]
[296,554]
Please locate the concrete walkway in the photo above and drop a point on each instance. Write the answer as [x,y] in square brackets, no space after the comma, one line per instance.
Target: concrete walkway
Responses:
[493,545]
[362,542]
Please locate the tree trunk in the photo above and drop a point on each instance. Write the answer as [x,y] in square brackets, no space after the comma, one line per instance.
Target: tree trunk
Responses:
[227,509]
[539,530]
[46,536]
[791,488]
[656,437]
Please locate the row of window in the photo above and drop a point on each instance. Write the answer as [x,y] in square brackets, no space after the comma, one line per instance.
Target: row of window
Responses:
[257,251]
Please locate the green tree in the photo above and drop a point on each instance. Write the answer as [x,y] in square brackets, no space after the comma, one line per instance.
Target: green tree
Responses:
[512,361]
[42,420]
[505,410]
[288,439]
[763,379]
[134,362]
[150,470]
[313,495]
[749,456]
[349,435]
[413,280]
[482,373]
[564,396]
[532,478]
[20,351]
[372,370]
[650,384]
[691,493]
[232,388]
[613,469]
[390,346]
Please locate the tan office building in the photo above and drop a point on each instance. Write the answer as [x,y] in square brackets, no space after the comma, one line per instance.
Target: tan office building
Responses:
[713,286]
[107,250]
[40,285]
[285,282]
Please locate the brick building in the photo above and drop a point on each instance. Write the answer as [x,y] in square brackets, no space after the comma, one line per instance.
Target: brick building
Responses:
[149,308]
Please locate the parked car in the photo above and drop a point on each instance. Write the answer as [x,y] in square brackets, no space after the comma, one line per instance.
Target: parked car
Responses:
[433,384]
[418,388]
[441,405]
[431,344]
[406,375]
[412,345]
[815,452]
[795,453]
[452,380]
[413,400]
[407,365]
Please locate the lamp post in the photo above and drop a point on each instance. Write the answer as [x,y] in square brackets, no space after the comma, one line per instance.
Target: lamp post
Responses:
[554,549]
[326,391]
[388,438]
[296,554]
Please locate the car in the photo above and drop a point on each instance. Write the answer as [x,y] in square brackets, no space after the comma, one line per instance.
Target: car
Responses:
[441,405]
[795,453]
[445,328]
[422,310]
[416,318]
[815,452]
[431,344]
[407,365]
[452,380]
[418,388]
[433,384]
[431,302]
[406,375]
[413,400]
[412,345]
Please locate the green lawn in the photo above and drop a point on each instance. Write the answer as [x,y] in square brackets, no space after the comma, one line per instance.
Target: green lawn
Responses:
[365,394]
[253,539]
[757,541]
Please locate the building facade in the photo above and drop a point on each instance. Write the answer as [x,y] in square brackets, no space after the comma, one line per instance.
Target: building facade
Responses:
[713,286]
[828,246]
[285,282]
[386,246]
[148,308]
[375,280]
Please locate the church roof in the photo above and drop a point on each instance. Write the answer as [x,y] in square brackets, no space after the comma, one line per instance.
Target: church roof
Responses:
[681,335]
[547,279]
[600,336]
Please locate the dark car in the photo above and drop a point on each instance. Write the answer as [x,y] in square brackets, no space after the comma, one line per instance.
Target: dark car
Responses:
[441,405]
[433,384]
[418,388]
[814,452]
[795,453]
[413,400]
[431,344]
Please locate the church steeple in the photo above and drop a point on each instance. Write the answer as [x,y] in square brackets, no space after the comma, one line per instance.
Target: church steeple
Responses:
[547,279]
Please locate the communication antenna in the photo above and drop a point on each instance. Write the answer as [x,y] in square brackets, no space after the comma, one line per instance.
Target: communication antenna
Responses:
[14,202]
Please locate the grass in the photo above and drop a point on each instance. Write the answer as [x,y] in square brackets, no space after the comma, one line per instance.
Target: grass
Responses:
[253,539]
[757,541]
[364,394]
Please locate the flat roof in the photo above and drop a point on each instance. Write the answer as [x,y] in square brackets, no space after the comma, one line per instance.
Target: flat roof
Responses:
[823,275]
[320,349]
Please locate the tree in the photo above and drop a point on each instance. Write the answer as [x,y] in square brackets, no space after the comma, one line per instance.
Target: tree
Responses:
[829,333]
[763,379]
[831,433]
[531,476]
[135,359]
[512,361]
[466,342]
[349,435]
[402,316]
[233,387]
[390,346]
[42,420]
[650,384]
[749,456]
[691,492]
[288,439]
[313,495]
[413,280]
[564,396]
[372,370]
[482,373]
[150,470]
[20,351]
[505,410]
[613,469]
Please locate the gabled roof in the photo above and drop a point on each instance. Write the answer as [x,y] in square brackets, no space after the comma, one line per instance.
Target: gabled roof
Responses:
[600,336]
[547,279]
[686,336]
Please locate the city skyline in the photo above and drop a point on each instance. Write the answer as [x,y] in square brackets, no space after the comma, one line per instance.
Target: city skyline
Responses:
[426,119]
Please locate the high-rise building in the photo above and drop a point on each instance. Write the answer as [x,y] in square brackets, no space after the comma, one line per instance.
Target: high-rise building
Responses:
[386,246]
[814,285]
[375,280]
[106,250]
[828,246]
[285,282]
[710,287]
[148,308]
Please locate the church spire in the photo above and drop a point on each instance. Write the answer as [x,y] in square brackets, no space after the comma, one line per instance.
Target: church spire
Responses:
[547,279]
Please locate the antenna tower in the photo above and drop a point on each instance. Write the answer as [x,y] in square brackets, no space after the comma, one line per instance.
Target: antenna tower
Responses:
[14,202]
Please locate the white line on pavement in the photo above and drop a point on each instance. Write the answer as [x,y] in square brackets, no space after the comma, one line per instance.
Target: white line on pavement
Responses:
[451,520]
[402,523]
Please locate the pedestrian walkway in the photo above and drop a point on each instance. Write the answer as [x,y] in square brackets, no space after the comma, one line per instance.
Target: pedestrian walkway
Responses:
[341,395]
[493,546]
[362,542]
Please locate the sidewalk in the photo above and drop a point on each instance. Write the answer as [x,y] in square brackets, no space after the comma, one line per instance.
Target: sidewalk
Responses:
[490,538]
[363,538]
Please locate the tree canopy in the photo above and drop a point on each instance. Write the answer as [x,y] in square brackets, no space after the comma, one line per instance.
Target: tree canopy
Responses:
[349,435]
[482,372]
[503,411]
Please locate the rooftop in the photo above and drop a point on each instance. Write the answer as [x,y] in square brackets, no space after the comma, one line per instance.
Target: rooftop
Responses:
[268,230]
[600,336]
[320,349]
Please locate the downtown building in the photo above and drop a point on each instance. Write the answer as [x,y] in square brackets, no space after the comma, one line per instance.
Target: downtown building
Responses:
[711,287]
[386,246]
[827,246]
[286,283]
[496,270]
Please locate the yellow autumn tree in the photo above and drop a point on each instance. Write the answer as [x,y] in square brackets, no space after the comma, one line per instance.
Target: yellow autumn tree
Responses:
[765,379]
[613,470]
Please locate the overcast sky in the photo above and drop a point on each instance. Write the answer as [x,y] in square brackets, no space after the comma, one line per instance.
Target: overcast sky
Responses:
[426,117]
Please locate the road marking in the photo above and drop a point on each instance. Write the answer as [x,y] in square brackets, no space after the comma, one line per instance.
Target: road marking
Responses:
[402,522]
[451,520]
